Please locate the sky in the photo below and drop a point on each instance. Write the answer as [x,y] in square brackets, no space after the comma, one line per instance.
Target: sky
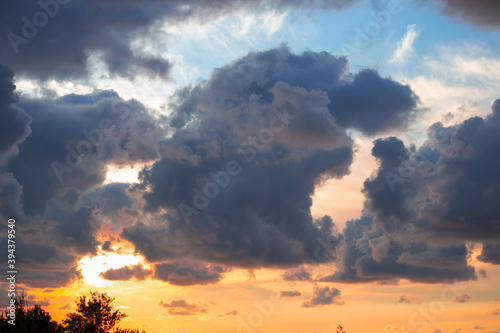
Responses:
[255,166]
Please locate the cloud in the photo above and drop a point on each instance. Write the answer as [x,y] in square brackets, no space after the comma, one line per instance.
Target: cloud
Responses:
[482,273]
[64,43]
[481,13]
[323,296]
[69,210]
[126,273]
[405,299]
[441,190]
[495,312]
[14,122]
[462,298]
[405,46]
[297,274]
[270,115]
[437,330]
[231,313]
[478,327]
[490,253]
[182,308]
[188,273]
[415,261]
[73,139]
[286,293]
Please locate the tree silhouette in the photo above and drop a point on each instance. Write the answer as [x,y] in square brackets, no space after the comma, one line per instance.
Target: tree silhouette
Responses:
[94,315]
[340,329]
[29,320]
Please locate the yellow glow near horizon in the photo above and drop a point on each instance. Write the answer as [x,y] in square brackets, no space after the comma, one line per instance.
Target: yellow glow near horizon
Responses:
[91,267]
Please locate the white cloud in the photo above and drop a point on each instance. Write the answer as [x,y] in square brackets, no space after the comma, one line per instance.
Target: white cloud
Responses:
[405,46]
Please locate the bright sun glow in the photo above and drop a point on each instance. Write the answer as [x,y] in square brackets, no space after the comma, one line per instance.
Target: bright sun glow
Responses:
[123,175]
[91,267]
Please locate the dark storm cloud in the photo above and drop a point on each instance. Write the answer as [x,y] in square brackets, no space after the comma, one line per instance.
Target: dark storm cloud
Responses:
[74,226]
[126,273]
[109,198]
[364,101]
[372,104]
[490,253]
[323,296]
[14,122]
[412,260]
[482,13]
[56,38]
[188,273]
[182,308]
[267,118]
[447,190]
[73,139]
[57,221]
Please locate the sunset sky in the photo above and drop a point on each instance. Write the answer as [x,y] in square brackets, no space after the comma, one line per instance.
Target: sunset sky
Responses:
[255,166]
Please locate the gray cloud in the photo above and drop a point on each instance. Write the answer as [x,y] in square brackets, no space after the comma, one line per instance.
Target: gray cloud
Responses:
[481,13]
[182,308]
[261,218]
[188,273]
[462,298]
[126,273]
[74,138]
[490,253]
[323,296]
[14,122]
[60,44]
[444,189]
[297,274]
[415,261]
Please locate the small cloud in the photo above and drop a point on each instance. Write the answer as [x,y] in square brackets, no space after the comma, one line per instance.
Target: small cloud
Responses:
[405,46]
[126,273]
[477,327]
[323,296]
[286,293]
[462,298]
[482,273]
[437,330]
[232,313]
[405,299]
[392,328]
[107,246]
[495,312]
[182,308]
[457,331]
